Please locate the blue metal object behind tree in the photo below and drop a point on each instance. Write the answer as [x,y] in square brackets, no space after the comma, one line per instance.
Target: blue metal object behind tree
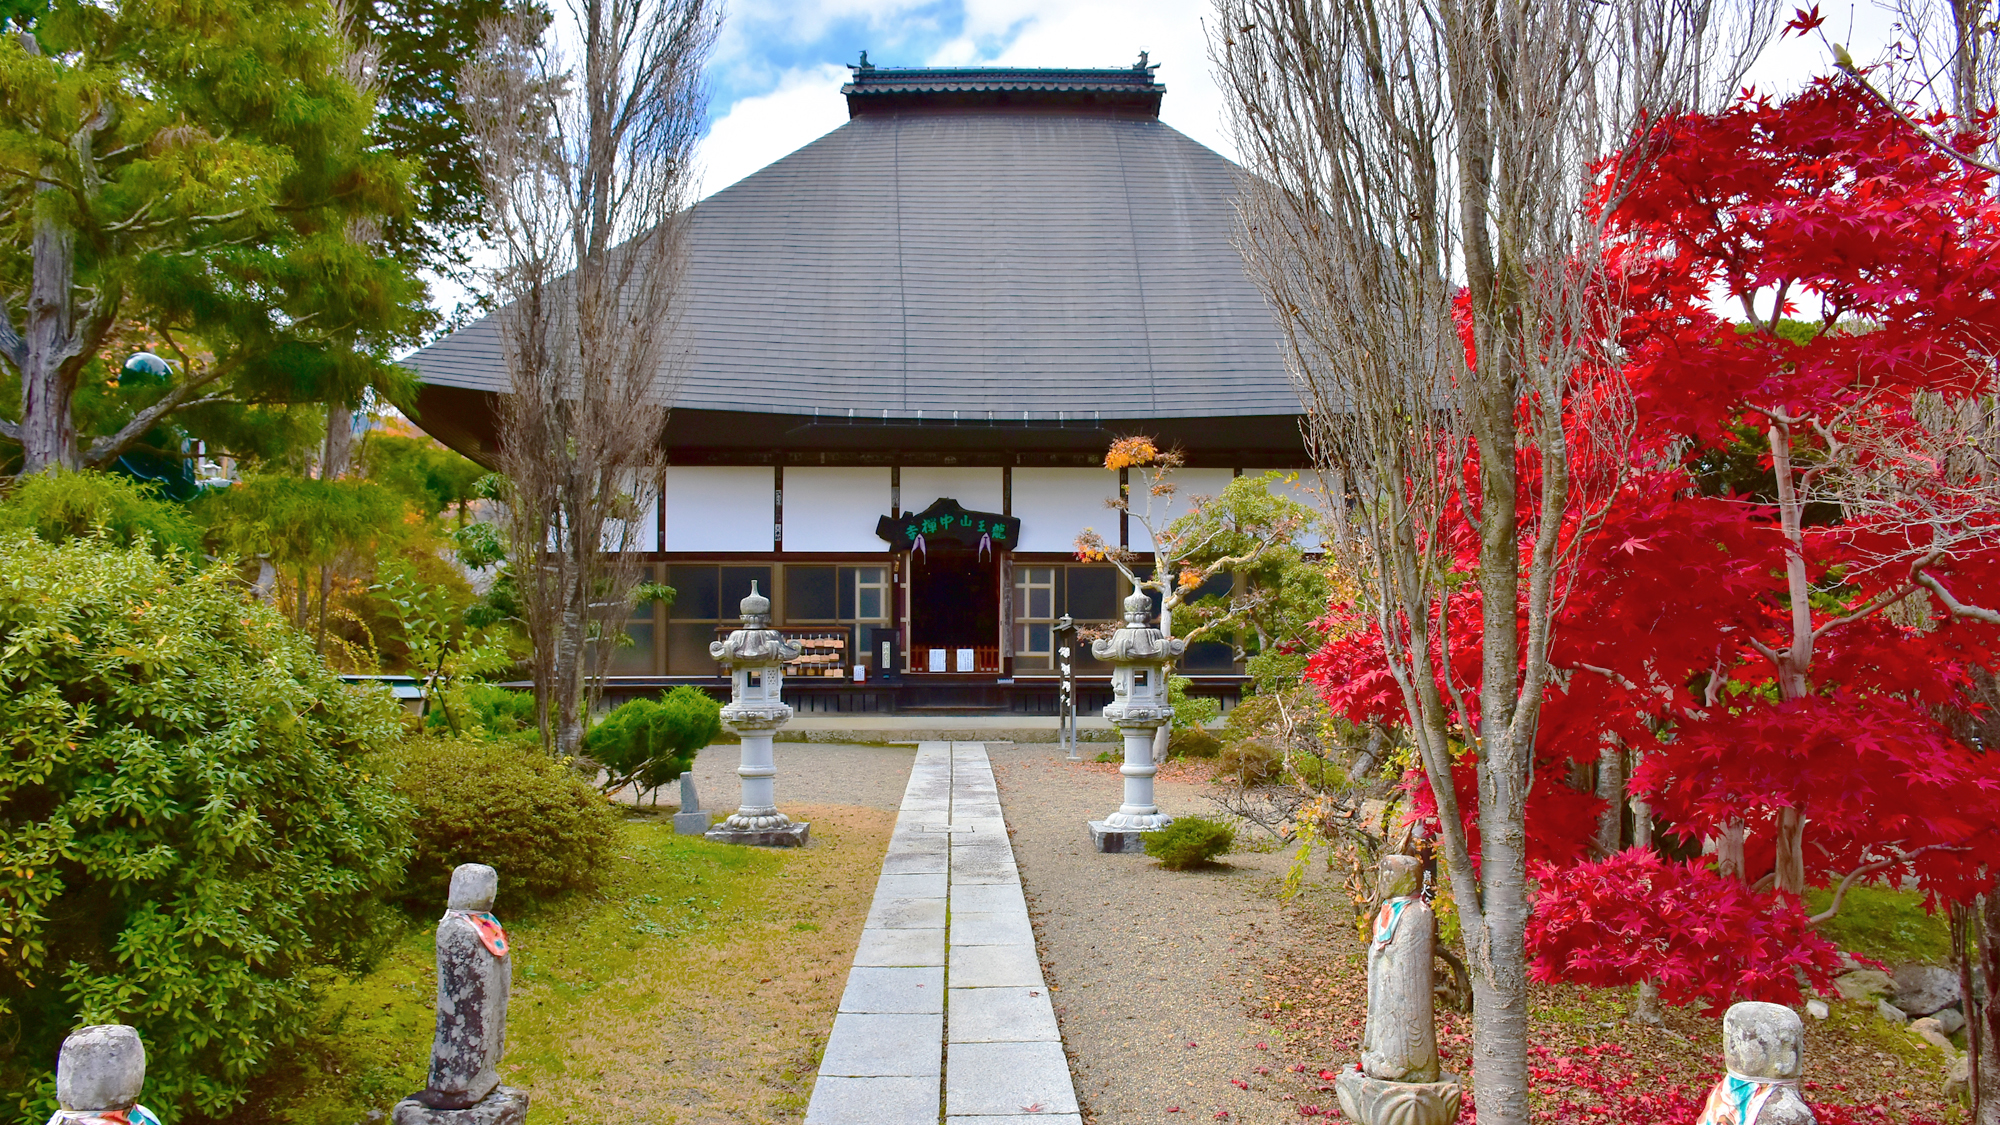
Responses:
[173,475]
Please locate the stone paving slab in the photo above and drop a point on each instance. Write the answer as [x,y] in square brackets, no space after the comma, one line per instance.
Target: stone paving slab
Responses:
[970,927]
[1002,1015]
[876,1044]
[900,947]
[909,863]
[839,1100]
[906,914]
[895,885]
[1007,1078]
[991,898]
[996,966]
[893,988]
[948,911]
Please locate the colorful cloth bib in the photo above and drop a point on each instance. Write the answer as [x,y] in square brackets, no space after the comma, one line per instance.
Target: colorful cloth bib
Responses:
[1386,919]
[488,927]
[1737,1100]
[137,1115]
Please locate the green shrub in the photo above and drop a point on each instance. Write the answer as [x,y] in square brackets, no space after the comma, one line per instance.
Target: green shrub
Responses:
[187,832]
[1188,841]
[1250,762]
[58,507]
[1193,744]
[648,743]
[1108,756]
[1191,712]
[486,710]
[505,803]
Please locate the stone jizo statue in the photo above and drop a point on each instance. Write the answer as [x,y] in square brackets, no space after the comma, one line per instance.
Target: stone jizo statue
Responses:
[1763,1054]
[475,970]
[1398,1081]
[99,1075]
[1399,1042]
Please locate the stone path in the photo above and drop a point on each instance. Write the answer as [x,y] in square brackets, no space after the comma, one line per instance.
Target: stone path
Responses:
[945,1013]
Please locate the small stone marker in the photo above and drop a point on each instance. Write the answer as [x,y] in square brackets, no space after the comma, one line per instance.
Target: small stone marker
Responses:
[1763,1049]
[690,820]
[475,969]
[99,1075]
[1398,1081]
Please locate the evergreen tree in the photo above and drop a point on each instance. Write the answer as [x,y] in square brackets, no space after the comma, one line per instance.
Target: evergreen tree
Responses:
[204,176]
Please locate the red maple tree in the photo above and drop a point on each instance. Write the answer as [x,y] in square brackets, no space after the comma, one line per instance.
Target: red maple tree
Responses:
[1788,590]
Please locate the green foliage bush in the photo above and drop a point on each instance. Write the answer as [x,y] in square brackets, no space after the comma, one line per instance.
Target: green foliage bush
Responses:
[1250,762]
[487,710]
[1191,712]
[58,507]
[187,831]
[1193,744]
[538,821]
[1188,841]
[648,743]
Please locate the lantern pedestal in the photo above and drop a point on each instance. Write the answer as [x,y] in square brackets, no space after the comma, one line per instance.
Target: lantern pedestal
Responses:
[758,822]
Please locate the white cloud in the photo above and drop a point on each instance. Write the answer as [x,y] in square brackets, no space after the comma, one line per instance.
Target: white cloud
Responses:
[756,131]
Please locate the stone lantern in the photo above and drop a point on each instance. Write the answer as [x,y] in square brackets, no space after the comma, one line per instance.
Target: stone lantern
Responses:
[1140,656]
[755,656]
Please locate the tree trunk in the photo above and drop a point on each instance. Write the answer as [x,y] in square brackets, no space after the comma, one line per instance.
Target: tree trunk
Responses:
[1982,1012]
[1729,850]
[1795,662]
[1611,787]
[337,450]
[300,610]
[48,379]
[1163,735]
[1791,870]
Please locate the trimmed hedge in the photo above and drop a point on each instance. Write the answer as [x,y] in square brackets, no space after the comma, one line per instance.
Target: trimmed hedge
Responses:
[543,825]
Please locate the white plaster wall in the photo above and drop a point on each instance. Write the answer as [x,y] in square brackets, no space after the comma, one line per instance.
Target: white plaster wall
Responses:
[975,489]
[719,508]
[835,509]
[1056,504]
[1188,484]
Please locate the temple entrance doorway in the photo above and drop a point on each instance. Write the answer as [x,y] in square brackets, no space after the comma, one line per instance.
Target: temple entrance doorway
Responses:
[955,610]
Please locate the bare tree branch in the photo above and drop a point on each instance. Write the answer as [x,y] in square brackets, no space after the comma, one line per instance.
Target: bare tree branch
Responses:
[588,172]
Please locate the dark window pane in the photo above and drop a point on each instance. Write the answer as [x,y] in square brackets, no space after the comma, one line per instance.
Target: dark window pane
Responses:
[847,583]
[1093,593]
[809,593]
[694,592]
[736,586]
[1209,656]
[635,659]
[687,651]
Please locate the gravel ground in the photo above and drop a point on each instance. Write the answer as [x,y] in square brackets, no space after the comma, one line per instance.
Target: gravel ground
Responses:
[1155,972]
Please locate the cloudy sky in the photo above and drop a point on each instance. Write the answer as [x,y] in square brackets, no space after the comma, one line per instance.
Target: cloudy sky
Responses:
[775,80]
